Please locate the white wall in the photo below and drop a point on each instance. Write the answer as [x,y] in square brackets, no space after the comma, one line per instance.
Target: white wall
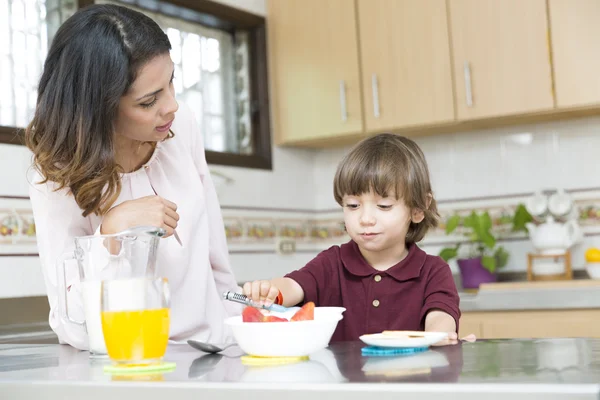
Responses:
[19,276]
[14,162]
[254,6]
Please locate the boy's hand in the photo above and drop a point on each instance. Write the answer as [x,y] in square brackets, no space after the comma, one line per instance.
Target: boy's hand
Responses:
[453,339]
[261,292]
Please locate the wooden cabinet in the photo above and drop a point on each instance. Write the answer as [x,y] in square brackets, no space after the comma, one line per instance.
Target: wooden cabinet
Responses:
[343,69]
[406,66]
[314,70]
[531,324]
[501,57]
[575,28]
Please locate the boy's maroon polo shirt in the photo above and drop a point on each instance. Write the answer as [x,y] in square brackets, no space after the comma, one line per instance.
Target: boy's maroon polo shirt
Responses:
[396,299]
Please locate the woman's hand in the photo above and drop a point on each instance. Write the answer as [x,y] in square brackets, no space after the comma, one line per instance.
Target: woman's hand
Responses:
[149,211]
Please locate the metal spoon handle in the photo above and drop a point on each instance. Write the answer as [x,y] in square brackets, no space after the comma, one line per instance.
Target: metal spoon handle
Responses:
[243,299]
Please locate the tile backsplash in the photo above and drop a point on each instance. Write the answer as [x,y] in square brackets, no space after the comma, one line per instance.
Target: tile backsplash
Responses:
[496,162]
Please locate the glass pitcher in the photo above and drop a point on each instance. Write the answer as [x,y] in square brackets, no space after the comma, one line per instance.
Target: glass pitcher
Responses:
[123,255]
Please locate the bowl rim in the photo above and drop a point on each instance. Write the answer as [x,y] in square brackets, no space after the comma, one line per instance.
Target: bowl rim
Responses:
[236,320]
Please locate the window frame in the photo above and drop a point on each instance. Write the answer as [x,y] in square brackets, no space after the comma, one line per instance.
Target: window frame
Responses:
[221,16]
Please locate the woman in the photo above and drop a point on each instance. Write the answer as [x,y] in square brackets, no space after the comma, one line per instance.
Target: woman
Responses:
[113,150]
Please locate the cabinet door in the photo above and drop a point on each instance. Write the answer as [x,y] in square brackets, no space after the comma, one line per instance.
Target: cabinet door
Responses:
[469,324]
[533,324]
[406,65]
[501,57]
[315,84]
[575,28]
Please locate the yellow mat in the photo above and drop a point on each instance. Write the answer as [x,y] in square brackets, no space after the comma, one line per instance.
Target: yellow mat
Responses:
[139,369]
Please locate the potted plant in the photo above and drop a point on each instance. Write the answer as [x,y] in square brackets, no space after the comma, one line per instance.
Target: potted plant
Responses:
[480,257]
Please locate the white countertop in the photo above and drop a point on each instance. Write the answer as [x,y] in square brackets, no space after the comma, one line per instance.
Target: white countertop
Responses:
[515,369]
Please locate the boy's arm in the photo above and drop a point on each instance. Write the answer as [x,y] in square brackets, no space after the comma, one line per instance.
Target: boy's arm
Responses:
[290,290]
[440,310]
[297,286]
[439,321]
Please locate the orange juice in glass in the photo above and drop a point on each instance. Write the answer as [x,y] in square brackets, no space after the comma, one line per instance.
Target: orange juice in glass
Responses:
[135,320]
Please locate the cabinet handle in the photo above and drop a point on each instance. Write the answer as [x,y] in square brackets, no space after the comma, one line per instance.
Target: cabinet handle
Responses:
[375,88]
[468,89]
[343,101]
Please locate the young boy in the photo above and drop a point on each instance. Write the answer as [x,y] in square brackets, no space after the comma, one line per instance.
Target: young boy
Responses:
[383,279]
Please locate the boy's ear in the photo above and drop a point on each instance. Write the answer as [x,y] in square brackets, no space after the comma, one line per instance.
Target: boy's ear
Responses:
[418,215]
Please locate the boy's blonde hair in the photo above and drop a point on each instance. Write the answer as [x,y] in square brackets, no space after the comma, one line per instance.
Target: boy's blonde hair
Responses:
[389,163]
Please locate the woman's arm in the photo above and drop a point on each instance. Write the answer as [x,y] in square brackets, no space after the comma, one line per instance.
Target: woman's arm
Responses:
[58,221]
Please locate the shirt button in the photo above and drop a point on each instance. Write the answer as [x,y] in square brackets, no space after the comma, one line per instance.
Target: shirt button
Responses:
[375,303]
[377,278]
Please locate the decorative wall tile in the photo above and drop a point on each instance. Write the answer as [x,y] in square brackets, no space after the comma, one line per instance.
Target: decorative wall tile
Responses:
[589,212]
[17,229]
[326,230]
[252,228]
[501,219]
[296,229]
[10,229]
[234,229]
[261,229]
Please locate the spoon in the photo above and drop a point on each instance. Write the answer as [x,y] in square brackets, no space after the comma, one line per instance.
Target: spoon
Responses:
[207,347]
[243,299]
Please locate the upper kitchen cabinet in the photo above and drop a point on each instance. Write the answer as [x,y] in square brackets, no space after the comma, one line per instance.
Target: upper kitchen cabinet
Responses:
[314,70]
[406,64]
[575,28]
[501,57]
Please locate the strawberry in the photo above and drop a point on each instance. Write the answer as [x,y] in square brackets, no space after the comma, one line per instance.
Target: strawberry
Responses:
[251,314]
[306,313]
[272,318]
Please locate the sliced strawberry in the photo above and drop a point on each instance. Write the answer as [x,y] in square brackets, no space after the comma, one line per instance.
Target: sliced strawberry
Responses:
[272,318]
[251,314]
[306,313]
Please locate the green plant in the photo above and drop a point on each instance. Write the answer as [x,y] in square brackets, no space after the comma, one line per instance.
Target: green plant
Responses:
[481,241]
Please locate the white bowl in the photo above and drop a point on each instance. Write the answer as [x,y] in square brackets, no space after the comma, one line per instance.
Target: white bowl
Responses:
[286,339]
[593,269]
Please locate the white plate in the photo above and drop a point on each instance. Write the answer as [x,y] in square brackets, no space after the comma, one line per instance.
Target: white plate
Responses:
[425,339]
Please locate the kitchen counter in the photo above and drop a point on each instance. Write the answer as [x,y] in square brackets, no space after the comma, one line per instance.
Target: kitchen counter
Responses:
[515,369]
[517,296]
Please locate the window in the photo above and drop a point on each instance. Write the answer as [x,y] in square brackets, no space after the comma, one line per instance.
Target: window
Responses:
[220,69]
[25,28]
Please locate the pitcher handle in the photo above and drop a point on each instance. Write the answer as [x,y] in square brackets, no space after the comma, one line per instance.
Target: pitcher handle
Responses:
[61,278]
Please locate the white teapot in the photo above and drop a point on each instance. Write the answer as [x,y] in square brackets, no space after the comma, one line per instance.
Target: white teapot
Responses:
[553,237]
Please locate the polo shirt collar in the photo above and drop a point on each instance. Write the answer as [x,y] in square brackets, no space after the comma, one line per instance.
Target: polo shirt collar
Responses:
[409,268]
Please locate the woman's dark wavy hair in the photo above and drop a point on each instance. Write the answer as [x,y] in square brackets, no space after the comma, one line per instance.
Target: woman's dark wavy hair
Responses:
[91,64]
